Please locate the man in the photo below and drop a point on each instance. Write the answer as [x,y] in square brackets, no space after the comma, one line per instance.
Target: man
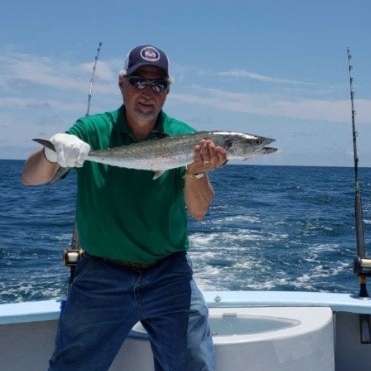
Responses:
[133,230]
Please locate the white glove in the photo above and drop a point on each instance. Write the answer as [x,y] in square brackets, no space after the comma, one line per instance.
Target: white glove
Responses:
[70,151]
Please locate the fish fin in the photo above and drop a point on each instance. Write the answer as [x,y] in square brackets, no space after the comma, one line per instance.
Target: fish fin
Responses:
[45,143]
[60,174]
[158,173]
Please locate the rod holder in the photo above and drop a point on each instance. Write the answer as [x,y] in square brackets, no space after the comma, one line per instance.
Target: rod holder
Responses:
[362,267]
[72,256]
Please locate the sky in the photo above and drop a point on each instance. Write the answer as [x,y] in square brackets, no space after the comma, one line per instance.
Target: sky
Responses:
[276,68]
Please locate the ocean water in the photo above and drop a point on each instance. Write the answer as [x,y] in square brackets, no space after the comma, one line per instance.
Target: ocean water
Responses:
[269,228]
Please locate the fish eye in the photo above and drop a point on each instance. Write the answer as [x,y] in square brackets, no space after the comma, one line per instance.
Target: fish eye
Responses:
[258,142]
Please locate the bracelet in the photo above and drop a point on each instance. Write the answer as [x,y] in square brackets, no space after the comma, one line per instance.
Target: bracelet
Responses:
[195,176]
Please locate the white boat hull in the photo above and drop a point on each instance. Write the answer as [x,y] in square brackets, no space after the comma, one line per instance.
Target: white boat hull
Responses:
[311,332]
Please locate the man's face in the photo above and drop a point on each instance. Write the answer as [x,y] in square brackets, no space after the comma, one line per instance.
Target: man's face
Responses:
[143,105]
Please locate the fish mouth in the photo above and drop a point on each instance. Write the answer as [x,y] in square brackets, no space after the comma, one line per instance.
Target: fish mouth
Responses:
[262,141]
[268,150]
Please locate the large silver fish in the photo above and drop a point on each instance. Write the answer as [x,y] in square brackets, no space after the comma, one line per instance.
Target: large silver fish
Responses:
[159,155]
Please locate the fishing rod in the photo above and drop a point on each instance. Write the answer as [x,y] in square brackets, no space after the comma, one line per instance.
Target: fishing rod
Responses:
[361,265]
[72,255]
[92,79]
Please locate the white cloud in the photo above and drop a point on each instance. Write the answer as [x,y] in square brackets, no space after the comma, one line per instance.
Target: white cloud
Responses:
[53,73]
[30,103]
[259,77]
[269,105]
[63,76]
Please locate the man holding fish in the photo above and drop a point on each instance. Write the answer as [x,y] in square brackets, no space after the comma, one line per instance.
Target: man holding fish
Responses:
[133,229]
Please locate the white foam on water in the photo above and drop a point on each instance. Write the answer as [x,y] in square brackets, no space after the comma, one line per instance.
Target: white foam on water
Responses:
[28,291]
[241,267]
[64,237]
[237,218]
[237,237]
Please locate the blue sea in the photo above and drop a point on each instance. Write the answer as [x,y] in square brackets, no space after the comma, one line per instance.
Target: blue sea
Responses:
[269,228]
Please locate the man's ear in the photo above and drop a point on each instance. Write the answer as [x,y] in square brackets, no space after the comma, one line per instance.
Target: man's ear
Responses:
[121,81]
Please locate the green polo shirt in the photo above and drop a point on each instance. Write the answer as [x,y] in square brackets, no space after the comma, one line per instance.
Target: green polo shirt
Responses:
[123,213]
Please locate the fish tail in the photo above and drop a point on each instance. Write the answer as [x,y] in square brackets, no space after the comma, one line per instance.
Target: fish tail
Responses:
[46,143]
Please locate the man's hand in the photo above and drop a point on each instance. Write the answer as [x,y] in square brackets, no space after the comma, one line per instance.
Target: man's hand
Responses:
[207,157]
[70,151]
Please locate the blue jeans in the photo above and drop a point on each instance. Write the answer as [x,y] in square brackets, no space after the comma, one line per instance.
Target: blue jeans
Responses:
[105,301]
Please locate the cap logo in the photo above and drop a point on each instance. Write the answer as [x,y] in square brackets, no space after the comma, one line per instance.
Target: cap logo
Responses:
[150,54]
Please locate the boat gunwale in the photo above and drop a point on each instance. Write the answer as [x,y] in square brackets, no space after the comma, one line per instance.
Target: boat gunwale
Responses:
[338,302]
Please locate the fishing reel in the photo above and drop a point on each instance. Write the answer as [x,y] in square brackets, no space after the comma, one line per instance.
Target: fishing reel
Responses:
[362,266]
[72,256]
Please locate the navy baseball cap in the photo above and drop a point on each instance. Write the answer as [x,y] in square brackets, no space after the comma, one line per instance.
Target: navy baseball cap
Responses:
[146,55]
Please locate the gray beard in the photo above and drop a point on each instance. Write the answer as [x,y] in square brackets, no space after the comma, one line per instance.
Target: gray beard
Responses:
[145,116]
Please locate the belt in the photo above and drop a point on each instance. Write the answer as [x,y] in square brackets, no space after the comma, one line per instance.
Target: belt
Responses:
[127,264]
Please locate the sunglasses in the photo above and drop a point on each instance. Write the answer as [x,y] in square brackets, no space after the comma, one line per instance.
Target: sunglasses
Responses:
[141,83]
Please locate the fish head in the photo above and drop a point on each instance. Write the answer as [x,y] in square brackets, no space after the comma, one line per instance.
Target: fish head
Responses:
[243,145]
